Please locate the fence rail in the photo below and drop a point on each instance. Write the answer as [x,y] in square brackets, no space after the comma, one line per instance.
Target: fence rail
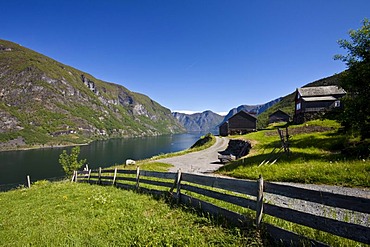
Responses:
[243,193]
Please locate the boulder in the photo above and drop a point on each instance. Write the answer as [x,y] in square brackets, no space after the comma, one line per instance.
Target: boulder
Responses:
[130,162]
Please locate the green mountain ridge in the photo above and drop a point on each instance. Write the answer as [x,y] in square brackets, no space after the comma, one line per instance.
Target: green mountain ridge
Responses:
[44,102]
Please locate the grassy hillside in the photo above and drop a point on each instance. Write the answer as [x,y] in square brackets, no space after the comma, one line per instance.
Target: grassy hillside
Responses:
[287,102]
[44,102]
[320,154]
[69,214]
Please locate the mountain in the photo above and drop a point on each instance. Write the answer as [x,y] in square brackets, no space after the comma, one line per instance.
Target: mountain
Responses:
[209,121]
[44,102]
[254,109]
[286,103]
[206,121]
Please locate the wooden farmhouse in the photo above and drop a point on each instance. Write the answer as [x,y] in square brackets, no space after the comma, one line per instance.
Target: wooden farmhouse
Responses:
[240,123]
[311,102]
[279,116]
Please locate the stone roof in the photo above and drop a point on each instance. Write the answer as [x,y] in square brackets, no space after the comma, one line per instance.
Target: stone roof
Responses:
[320,91]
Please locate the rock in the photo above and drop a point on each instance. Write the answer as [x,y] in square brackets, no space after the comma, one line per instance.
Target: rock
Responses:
[130,162]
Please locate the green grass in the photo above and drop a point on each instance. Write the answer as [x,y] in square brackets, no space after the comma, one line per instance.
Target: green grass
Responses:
[316,157]
[69,214]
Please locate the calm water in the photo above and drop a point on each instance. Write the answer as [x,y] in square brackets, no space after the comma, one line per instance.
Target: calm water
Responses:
[43,163]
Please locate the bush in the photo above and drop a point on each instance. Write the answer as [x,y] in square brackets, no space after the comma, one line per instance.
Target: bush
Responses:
[70,162]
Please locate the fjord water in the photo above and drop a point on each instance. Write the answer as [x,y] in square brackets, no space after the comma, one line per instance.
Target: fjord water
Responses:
[43,163]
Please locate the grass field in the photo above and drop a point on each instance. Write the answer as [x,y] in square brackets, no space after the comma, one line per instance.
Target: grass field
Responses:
[70,214]
[316,157]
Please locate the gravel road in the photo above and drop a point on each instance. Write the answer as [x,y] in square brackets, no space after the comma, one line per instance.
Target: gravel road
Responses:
[205,161]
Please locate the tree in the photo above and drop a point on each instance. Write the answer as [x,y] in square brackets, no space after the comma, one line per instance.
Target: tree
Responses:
[356,81]
[70,162]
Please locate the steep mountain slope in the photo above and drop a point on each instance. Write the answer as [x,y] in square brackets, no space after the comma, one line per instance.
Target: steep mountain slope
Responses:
[44,102]
[206,121]
[287,102]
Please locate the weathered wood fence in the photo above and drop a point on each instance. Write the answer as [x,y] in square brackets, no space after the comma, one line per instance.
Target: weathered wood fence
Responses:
[184,188]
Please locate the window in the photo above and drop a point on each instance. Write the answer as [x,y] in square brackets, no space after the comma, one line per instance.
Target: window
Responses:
[298,106]
[337,103]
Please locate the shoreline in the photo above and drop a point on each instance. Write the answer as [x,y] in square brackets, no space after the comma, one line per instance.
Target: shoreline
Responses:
[22,146]
[44,147]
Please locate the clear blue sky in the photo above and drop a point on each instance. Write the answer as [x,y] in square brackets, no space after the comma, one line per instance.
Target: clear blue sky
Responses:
[190,54]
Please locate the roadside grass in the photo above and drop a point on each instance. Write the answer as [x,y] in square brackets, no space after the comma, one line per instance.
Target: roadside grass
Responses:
[70,214]
[204,142]
[316,157]
[148,166]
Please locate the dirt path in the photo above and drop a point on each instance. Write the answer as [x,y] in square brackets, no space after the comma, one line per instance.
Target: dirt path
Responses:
[204,161]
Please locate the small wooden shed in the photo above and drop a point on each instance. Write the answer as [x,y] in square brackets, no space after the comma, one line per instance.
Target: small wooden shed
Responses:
[279,116]
[224,129]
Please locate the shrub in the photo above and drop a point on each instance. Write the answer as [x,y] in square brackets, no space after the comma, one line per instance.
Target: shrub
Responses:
[70,162]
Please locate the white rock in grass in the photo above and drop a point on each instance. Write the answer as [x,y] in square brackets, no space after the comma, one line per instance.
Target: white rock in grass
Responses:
[130,162]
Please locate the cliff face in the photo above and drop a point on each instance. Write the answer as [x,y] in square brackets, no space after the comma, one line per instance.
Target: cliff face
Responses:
[206,121]
[46,102]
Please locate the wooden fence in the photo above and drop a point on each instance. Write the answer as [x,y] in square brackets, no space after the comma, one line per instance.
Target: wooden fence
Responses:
[247,194]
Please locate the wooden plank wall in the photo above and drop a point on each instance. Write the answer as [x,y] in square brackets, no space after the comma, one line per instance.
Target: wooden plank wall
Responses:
[247,194]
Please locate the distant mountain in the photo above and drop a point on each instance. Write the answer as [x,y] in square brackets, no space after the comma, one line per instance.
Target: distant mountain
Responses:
[209,121]
[44,102]
[286,103]
[253,109]
[206,121]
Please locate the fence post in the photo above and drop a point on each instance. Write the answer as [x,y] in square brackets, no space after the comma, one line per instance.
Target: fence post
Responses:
[28,181]
[259,209]
[88,178]
[114,176]
[137,178]
[73,176]
[99,178]
[76,172]
[178,186]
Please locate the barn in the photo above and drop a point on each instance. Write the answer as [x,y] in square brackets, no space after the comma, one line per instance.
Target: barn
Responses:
[279,116]
[242,123]
[311,102]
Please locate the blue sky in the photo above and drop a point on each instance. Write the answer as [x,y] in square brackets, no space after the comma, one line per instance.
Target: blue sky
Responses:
[190,54]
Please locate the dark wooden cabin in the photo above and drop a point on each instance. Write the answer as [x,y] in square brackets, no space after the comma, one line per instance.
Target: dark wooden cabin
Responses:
[242,123]
[310,102]
[279,116]
[224,129]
